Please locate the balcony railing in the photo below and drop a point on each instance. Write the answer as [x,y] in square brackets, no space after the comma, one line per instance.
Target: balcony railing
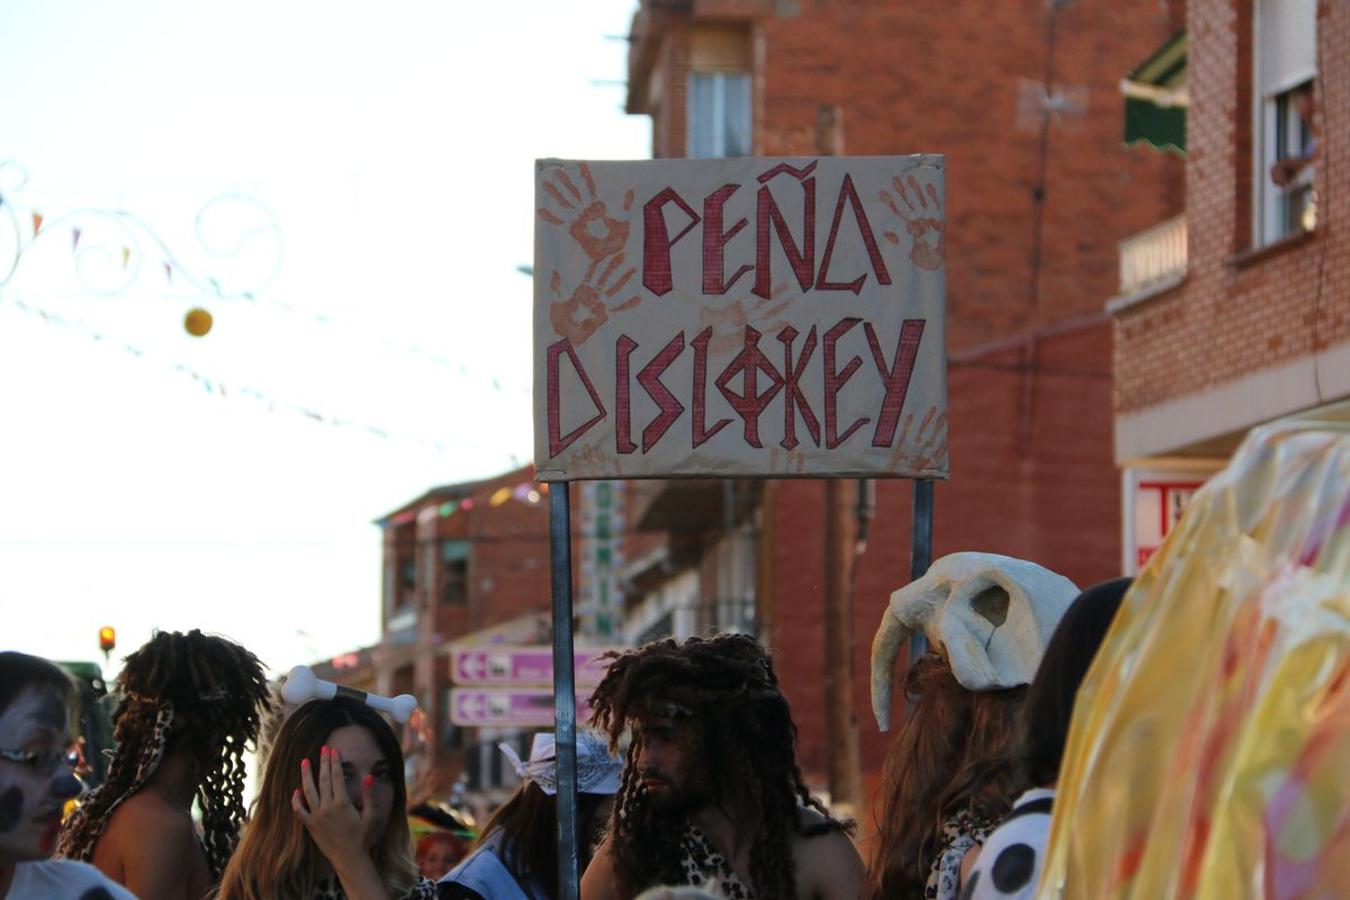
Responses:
[1153,258]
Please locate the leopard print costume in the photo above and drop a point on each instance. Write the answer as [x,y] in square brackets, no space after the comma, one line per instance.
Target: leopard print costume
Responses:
[76,824]
[961,833]
[703,865]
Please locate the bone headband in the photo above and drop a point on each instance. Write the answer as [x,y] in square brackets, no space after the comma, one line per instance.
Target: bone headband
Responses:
[303,685]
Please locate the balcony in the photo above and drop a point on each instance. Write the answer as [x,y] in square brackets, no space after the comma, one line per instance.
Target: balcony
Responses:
[1151,262]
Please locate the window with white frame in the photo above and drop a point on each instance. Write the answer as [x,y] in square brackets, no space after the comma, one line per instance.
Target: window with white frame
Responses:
[719,114]
[1285,147]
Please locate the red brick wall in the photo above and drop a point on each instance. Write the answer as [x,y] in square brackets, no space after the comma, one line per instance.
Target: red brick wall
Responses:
[1234,316]
[509,569]
[1031,461]
[508,577]
[670,124]
[908,80]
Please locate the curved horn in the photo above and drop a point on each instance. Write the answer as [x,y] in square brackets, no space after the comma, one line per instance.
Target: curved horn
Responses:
[891,634]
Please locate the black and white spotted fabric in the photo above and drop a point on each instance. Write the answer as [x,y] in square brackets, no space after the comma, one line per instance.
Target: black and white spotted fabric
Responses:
[424,889]
[960,834]
[702,863]
[1010,863]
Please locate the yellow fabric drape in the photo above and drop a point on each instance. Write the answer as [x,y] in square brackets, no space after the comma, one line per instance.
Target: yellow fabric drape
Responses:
[1209,755]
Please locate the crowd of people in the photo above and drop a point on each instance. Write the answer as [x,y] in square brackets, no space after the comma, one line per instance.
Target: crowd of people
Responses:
[688,784]
[1185,734]
[688,781]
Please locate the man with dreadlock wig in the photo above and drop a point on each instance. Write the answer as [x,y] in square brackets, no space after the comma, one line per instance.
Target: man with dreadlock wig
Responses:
[711,791]
[190,703]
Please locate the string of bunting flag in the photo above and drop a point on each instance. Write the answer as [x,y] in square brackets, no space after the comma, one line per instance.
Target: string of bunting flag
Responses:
[527,492]
[218,387]
[180,283]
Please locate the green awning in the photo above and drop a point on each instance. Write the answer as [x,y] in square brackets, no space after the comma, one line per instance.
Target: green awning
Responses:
[1156,98]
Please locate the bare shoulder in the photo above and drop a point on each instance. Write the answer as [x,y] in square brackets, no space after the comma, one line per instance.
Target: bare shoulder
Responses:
[828,864]
[152,848]
[144,819]
[146,808]
[597,882]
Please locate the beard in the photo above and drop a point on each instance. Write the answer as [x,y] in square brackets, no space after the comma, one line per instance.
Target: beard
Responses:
[680,798]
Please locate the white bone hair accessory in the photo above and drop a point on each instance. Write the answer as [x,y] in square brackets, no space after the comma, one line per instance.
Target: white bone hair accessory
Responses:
[302,685]
[597,771]
[992,615]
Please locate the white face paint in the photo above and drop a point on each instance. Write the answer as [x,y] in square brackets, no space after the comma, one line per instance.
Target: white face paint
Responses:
[32,795]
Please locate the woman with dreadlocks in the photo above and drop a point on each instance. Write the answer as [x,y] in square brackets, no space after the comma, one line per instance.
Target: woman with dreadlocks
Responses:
[190,703]
[711,791]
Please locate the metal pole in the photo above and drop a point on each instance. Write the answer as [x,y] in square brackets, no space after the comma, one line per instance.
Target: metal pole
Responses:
[841,758]
[564,686]
[921,552]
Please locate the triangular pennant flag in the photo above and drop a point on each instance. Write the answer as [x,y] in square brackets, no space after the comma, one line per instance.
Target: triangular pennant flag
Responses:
[37,223]
[74,239]
[126,256]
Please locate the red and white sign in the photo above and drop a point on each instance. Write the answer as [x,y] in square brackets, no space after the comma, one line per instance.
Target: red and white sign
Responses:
[740,317]
[1153,504]
[517,707]
[522,665]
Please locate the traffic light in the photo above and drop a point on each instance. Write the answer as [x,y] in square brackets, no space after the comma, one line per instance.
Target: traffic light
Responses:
[107,638]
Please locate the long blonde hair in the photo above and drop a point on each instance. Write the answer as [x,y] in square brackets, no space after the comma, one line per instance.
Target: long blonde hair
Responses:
[277,859]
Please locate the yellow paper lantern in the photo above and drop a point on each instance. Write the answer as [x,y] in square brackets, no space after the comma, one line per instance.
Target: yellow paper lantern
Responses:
[197,322]
[500,496]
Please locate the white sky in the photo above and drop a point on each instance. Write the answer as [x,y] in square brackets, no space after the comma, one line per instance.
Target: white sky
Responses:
[393,143]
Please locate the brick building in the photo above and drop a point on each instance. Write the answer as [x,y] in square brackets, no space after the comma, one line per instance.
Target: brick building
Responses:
[1040,191]
[460,559]
[1239,310]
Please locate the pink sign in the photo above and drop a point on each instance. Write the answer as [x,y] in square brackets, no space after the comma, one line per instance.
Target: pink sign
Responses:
[508,707]
[522,665]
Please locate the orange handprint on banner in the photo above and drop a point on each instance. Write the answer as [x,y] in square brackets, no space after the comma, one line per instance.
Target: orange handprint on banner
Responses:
[922,215]
[586,218]
[578,317]
[929,445]
[764,314]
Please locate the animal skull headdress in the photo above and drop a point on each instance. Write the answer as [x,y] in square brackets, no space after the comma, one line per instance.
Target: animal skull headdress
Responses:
[991,614]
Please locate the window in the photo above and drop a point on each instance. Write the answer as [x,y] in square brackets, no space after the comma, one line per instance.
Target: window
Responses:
[1285,65]
[455,560]
[719,114]
[390,588]
[407,580]
[452,736]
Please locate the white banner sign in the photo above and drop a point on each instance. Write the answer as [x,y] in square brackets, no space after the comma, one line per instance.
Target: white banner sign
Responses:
[740,317]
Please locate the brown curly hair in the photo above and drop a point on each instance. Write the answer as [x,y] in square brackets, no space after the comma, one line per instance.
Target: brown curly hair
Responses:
[747,741]
[955,754]
[209,694]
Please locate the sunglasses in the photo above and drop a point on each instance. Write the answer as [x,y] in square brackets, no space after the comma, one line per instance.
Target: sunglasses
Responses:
[45,763]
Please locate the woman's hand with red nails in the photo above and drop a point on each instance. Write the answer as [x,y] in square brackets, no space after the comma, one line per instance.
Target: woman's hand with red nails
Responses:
[335,824]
